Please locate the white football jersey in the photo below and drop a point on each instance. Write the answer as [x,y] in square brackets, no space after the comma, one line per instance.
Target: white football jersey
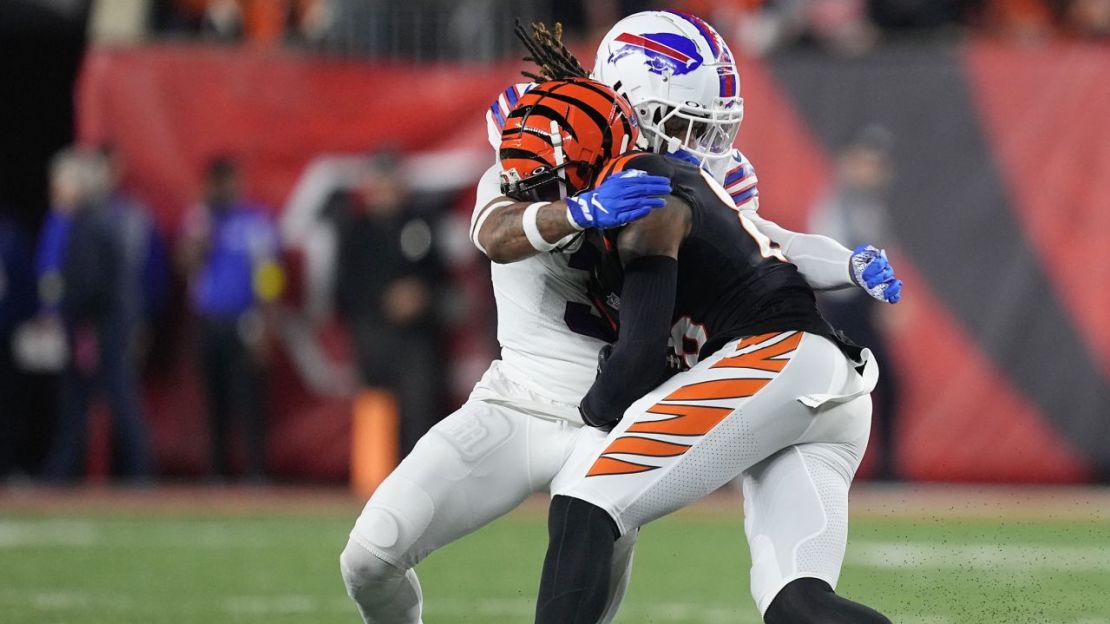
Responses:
[539,299]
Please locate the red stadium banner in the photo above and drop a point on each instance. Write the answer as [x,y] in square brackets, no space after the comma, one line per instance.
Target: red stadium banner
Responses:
[1001,343]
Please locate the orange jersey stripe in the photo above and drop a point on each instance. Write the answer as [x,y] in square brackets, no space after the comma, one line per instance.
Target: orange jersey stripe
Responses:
[689,420]
[636,445]
[615,166]
[718,389]
[609,466]
[620,162]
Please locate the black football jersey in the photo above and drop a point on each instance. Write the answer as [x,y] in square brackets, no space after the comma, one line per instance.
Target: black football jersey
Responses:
[732,280]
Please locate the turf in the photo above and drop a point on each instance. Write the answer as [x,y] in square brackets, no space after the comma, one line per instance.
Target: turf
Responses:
[121,567]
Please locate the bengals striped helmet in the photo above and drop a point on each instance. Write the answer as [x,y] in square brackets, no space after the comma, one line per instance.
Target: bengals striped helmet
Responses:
[559,135]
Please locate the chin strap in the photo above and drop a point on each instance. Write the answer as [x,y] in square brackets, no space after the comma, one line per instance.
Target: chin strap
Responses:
[557,144]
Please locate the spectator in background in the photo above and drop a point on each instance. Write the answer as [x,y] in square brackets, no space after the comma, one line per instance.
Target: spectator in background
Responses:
[144,250]
[229,250]
[388,278]
[17,304]
[83,285]
[855,213]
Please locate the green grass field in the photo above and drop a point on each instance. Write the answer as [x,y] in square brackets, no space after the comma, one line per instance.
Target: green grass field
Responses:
[128,564]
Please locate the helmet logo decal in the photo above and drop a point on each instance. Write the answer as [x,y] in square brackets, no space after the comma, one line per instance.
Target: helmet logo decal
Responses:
[667,54]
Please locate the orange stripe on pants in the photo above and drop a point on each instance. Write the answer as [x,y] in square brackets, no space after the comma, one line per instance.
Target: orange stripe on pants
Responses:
[689,420]
[610,466]
[718,389]
[762,359]
[636,445]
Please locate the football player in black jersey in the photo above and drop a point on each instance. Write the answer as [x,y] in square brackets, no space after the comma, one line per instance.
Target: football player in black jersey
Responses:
[766,391]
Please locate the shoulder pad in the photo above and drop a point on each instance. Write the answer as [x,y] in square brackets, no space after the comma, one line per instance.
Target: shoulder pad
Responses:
[499,110]
[740,182]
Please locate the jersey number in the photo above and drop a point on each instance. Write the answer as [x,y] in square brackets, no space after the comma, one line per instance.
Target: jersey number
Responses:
[581,318]
[767,249]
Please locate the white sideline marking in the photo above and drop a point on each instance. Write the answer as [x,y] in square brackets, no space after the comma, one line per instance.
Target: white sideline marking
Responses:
[60,600]
[17,534]
[691,612]
[57,599]
[83,534]
[1023,557]
[271,605]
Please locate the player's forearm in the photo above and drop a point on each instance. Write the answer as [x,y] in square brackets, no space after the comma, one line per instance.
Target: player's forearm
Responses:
[502,236]
[638,360]
[823,262]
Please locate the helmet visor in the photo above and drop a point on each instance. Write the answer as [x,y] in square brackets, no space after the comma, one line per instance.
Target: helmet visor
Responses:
[706,133]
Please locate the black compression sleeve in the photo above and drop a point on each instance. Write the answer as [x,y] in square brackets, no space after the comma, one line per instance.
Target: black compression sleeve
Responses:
[639,356]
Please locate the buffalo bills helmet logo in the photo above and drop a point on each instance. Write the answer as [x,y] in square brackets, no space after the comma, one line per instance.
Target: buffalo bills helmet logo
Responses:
[667,54]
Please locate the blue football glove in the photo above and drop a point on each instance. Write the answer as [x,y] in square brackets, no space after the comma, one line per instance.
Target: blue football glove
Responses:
[618,200]
[871,270]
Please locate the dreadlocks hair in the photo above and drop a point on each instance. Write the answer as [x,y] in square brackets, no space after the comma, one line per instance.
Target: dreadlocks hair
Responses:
[546,49]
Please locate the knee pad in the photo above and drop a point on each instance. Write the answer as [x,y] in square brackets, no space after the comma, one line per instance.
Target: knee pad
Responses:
[362,570]
[812,601]
[382,591]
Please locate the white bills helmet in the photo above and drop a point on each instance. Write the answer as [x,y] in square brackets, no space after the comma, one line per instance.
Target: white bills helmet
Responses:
[680,78]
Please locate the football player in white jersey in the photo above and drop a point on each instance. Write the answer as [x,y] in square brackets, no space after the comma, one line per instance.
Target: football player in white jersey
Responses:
[521,425]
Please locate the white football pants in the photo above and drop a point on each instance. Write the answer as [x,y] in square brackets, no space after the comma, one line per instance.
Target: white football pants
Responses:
[476,465]
[786,411]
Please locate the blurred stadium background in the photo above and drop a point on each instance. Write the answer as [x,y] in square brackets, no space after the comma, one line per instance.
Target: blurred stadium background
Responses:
[977,132]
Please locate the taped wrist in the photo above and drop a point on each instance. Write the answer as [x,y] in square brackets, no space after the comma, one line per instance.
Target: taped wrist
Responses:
[532,228]
[640,354]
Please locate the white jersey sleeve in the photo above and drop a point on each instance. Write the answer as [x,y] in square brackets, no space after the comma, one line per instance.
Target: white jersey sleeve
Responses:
[489,189]
[822,261]
[489,186]
[539,299]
